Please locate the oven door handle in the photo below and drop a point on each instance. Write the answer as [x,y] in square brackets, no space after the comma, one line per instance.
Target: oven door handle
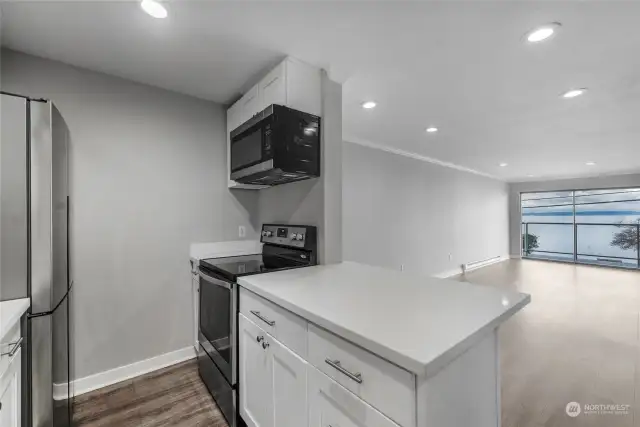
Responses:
[213,280]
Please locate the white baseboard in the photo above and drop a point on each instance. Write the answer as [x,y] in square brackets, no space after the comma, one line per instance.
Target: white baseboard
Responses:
[459,270]
[123,373]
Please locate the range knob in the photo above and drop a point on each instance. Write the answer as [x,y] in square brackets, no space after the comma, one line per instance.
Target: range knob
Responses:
[267,233]
[293,236]
[300,236]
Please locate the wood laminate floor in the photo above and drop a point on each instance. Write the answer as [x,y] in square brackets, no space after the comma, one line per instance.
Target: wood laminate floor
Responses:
[578,341]
[174,396]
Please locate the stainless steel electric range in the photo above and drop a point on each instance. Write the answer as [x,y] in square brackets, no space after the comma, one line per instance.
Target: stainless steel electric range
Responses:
[284,247]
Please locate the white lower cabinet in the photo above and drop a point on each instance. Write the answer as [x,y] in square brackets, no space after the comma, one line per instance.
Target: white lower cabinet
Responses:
[331,405]
[289,386]
[280,387]
[10,394]
[273,380]
[256,392]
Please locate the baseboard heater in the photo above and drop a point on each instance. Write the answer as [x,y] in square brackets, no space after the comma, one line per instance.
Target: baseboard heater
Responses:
[477,264]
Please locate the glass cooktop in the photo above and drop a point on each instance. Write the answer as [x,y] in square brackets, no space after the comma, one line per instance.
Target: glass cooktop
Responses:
[237,266]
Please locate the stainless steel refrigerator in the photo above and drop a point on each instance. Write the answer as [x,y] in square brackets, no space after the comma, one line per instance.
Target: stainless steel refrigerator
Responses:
[34,251]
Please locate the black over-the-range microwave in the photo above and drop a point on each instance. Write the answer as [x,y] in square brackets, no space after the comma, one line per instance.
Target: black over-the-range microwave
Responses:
[276,146]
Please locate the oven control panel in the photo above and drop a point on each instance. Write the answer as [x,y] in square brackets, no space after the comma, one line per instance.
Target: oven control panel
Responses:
[296,236]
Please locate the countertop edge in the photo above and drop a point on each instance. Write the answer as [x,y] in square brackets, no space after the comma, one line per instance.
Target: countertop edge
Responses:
[441,361]
[417,367]
[199,251]
[18,308]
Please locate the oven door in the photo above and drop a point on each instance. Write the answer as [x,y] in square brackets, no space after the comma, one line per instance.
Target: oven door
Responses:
[218,322]
[251,148]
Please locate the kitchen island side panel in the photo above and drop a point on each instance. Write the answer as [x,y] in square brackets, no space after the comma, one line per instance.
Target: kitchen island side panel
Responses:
[466,392]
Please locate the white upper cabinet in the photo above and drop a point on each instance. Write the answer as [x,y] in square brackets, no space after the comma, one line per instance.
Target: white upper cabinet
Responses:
[273,87]
[249,104]
[303,87]
[291,83]
[234,117]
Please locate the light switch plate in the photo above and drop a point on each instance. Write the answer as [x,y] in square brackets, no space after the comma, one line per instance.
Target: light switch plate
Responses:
[242,231]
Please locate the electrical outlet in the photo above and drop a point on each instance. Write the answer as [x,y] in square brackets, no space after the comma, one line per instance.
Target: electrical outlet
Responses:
[242,231]
[401,267]
[450,257]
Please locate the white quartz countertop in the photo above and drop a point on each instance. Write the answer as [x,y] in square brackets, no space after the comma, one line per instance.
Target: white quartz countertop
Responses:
[417,322]
[199,251]
[10,313]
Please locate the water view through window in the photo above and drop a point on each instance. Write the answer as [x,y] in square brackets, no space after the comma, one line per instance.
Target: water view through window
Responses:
[587,226]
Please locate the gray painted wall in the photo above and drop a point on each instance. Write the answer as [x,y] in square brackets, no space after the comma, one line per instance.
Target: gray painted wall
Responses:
[398,210]
[148,177]
[593,183]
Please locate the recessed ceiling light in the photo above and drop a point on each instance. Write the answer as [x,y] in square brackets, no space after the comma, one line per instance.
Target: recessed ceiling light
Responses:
[504,164]
[542,33]
[369,105]
[153,8]
[590,163]
[574,92]
[432,129]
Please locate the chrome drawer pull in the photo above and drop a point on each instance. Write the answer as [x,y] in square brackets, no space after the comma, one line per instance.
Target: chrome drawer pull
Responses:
[16,345]
[261,317]
[336,364]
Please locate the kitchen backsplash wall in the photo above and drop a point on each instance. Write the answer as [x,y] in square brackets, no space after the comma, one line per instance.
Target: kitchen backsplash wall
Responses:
[148,177]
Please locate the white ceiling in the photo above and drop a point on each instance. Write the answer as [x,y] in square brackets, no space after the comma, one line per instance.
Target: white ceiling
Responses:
[461,66]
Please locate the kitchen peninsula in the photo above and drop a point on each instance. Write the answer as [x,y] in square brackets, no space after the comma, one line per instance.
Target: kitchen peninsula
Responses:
[354,345]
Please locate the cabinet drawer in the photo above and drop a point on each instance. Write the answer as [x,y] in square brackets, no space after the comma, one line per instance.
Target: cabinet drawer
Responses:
[7,344]
[281,324]
[330,404]
[388,388]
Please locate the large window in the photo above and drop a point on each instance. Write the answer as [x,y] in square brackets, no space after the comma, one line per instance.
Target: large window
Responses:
[587,226]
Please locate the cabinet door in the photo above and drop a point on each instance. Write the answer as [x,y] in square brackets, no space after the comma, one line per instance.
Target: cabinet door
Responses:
[10,394]
[256,394]
[331,405]
[234,117]
[289,386]
[273,87]
[250,104]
